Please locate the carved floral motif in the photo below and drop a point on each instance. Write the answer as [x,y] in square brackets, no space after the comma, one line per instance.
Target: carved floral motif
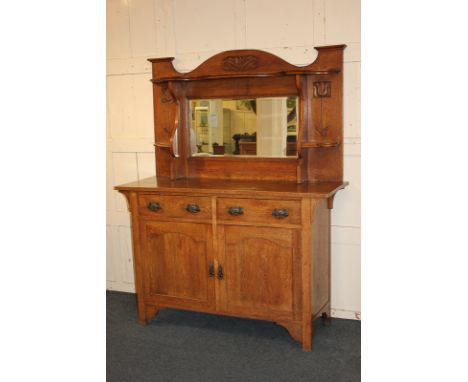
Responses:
[240,63]
[322,130]
[167,96]
[322,89]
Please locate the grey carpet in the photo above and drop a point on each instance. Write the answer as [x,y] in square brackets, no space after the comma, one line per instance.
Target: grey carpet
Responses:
[186,346]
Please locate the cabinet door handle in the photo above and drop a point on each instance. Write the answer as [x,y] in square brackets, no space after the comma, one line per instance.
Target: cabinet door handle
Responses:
[234,211]
[152,206]
[220,272]
[280,213]
[211,271]
[193,208]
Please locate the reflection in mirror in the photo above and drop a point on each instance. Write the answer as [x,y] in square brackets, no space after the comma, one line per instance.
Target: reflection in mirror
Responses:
[263,127]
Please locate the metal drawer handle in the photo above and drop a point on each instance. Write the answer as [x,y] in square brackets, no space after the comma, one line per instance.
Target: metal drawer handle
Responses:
[280,213]
[220,272]
[211,271]
[234,211]
[193,208]
[152,206]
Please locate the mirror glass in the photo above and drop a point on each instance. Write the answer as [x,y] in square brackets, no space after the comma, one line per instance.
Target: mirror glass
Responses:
[262,127]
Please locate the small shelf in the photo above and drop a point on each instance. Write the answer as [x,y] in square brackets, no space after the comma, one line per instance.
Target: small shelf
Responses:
[324,144]
[191,77]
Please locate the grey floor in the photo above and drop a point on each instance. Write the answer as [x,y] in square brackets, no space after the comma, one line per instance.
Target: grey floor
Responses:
[186,346]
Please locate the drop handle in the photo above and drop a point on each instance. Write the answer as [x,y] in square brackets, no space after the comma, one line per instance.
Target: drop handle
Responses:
[220,272]
[211,271]
[153,206]
[193,208]
[280,213]
[235,211]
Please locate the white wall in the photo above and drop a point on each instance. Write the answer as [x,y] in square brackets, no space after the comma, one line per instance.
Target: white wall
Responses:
[192,31]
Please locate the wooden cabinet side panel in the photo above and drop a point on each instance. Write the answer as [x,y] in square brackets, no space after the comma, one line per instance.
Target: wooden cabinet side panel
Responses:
[306,210]
[138,266]
[320,258]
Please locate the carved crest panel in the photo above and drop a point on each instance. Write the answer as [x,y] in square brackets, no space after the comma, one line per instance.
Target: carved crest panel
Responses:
[240,63]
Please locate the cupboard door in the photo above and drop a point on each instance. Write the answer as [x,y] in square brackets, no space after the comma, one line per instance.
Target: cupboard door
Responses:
[178,263]
[260,270]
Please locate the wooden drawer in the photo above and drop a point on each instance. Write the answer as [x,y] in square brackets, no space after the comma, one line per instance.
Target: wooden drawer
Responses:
[259,210]
[170,206]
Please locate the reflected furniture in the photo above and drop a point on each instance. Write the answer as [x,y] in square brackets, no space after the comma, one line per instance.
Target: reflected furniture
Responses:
[272,119]
[241,236]
[250,148]
[247,147]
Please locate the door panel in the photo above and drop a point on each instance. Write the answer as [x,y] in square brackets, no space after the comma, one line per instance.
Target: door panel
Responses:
[176,259]
[259,264]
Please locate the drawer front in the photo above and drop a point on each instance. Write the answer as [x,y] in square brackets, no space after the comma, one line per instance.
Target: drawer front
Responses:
[170,206]
[259,210]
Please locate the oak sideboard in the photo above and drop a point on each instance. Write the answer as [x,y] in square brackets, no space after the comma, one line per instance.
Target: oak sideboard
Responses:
[248,236]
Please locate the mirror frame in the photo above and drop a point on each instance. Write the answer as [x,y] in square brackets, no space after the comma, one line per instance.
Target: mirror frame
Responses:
[252,74]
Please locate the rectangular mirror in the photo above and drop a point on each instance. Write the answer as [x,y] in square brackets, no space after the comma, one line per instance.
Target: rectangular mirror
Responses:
[262,127]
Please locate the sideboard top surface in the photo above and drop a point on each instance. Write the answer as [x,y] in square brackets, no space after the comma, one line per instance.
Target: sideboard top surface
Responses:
[235,187]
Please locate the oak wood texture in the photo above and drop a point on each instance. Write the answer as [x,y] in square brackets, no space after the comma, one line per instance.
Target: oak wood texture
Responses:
[138,266]
[275,269]
[248,188]
[321,288]
[244,237]
[238,168]
[265,65]
[258,264]
[171,206]
[250,74]
[176,258]
[258,210]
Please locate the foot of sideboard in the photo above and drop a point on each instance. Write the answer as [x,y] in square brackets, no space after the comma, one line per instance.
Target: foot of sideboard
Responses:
[326,319]
[294,329]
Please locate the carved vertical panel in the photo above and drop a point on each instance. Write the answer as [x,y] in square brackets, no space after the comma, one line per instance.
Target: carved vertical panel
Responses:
[165,107]
[321,89]
[326,161]
[166,118]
